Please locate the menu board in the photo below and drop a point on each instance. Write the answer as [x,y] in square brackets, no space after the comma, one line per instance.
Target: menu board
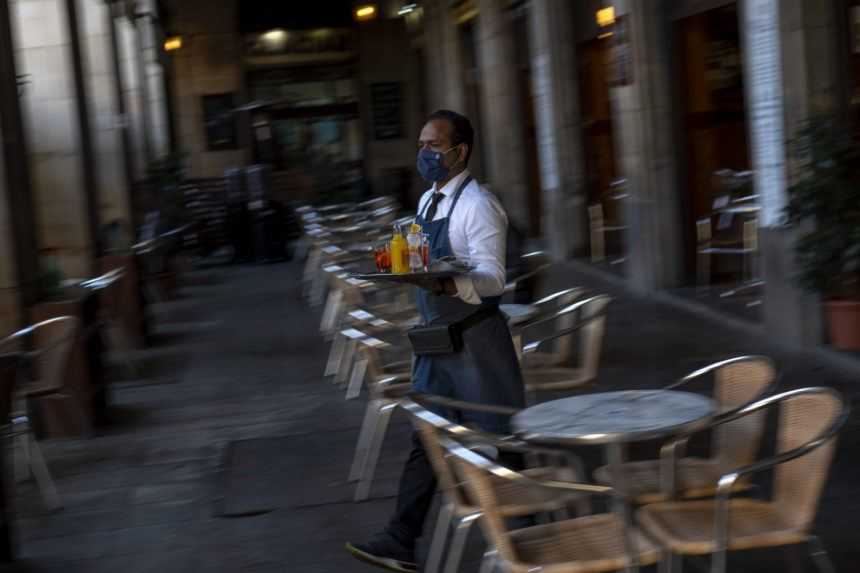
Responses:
[385,108]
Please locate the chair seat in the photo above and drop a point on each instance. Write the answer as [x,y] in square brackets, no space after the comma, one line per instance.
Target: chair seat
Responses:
[554,378]
[588,544]
[687,527]
[518,499]
[518,313]
[697,477]
[36,389]
[536,360]
[396,390]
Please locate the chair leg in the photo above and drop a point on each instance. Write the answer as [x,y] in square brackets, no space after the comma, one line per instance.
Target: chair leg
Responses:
[364,437]
[819,555]
[440,535]
[22,467]
[335,355]
[346,362]
[670,563]
[362,491]
[461,534]
[43,476]
[489,562]
[356,379]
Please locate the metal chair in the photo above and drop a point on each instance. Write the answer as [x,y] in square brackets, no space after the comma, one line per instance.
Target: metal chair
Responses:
[809,421]
[590,325]
[544,310]
[588,544]
[522,316]
[43,351]
[599,228]
[384,390]
[110,325]
[737,382]
[458,509]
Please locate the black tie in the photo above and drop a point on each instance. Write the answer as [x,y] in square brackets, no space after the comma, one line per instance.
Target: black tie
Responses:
[434,205]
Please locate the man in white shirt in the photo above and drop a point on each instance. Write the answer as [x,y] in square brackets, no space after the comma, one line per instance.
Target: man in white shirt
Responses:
[465,221]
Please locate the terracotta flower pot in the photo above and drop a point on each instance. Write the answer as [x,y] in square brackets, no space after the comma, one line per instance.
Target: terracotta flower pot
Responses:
[843,318]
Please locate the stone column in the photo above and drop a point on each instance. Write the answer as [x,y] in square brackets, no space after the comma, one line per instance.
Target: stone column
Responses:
[647,149]
[129,64]
[151,45]
[105,118]
[552,44]
[52,124]
[503,132]
[433,55]
[805,50]
[18,231]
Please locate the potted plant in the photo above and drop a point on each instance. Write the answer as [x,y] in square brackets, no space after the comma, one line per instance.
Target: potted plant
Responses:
[824,205]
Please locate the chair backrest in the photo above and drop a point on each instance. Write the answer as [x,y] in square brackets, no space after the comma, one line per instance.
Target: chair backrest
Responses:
[483,477]
[431,429]
[738,382]
[591,336]
[806,419]
[562,348]
[109,287]
[10,364]
[47,345]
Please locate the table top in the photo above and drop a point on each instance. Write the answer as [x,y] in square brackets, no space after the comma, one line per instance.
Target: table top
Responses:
[609,417]
[518,313]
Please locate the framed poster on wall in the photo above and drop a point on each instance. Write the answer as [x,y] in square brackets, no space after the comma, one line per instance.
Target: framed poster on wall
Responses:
[219,121]
[386,101]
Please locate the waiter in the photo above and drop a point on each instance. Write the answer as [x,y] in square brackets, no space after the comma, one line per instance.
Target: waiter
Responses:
[466,221]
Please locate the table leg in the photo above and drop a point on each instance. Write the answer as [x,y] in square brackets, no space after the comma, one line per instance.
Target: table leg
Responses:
[615,456]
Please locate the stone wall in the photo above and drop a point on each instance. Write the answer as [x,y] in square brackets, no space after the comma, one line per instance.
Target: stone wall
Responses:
[208,63]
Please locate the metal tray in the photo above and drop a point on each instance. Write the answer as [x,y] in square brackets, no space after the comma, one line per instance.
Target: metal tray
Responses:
[408,277]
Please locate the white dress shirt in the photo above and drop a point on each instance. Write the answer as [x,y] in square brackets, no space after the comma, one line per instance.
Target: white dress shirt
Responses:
[478,234]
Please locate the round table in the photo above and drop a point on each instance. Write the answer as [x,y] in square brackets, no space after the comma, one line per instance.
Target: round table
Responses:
[613,419]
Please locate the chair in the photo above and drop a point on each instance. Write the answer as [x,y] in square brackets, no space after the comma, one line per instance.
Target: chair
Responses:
[809,420]
[591,321]
[520,316]
[384,389]
[109,287]
[599,228]
[587,544]
[43,351]
[543,311]
[747,251]
[458,508]
[737,382]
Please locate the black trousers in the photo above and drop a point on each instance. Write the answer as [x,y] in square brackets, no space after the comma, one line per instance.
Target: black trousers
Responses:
[417,488]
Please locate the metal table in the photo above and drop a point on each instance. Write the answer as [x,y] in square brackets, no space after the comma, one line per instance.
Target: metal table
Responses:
[612,420]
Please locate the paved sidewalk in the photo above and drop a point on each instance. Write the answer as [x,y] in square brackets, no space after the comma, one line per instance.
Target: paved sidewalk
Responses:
[242,363]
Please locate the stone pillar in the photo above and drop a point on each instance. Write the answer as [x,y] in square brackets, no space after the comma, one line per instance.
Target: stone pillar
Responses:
[806,51]
[18,231]
[647,149]
[552,43]
[503,132]
[51,119]
[133,95]
[454,96]
[105,118]
[433,55]
[151,41]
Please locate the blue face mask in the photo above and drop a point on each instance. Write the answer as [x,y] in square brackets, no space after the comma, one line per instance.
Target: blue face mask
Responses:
[431,166]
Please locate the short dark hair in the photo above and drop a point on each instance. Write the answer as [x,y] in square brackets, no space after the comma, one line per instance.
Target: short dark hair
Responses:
[461,131]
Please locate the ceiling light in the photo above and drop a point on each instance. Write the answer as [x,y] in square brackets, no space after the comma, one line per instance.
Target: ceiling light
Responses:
[366,12]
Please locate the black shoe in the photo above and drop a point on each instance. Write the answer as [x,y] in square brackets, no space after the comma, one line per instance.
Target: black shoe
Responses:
[383,550]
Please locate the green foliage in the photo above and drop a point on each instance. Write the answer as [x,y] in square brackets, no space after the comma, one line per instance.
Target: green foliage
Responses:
[824,203]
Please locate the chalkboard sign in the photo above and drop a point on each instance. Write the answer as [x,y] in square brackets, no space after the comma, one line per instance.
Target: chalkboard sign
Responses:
[385,104]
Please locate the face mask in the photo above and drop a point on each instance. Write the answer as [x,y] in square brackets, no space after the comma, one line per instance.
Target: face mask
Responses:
[431,166]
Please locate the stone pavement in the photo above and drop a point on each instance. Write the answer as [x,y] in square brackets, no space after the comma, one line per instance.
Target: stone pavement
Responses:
[238,369]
